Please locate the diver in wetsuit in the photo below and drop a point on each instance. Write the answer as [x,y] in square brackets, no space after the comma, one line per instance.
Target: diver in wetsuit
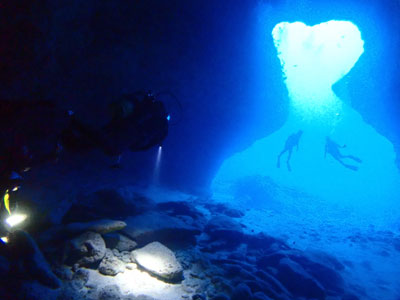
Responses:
[333,149]
[136,125]
[29,137]
[291,142]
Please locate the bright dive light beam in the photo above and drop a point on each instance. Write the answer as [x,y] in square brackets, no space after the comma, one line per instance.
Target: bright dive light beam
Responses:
[16,219]
[313,59]
[157,166]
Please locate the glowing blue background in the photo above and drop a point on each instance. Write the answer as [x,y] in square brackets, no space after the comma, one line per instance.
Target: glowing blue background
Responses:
[312,60]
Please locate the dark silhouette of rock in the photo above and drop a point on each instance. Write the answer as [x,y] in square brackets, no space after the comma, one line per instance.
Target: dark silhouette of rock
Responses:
[298,281]
[179,208]
[86,250]
[326,276]
[155,226]
[242,292]
[106,203]
[111,265]
[24,249]
[125,244]
[110,292]
[62,232]
[221,297]
[224,234]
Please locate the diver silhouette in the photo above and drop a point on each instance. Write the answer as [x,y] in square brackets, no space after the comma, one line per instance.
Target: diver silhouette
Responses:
[291,142]
[332,148]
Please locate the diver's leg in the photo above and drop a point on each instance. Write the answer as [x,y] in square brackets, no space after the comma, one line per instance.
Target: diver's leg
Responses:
[278,164]
[288,159]
[353,158]
[338,158]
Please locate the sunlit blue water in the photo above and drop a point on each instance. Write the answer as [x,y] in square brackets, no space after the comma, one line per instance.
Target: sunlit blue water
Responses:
[357,171]
[337,178]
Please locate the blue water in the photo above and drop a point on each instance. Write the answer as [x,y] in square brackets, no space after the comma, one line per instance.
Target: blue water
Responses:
[336,180]
[279,177]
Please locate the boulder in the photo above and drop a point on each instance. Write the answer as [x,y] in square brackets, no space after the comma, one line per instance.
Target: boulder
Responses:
[80,278]
[275,286]
[86,250]
[110,292]
[106,203]
[118,241]
[60,233]
[159,261]
[223,227]
[180,208]
[323,267]
[125,244]
[298,281]
[111,265]
[156,226]
[242,292]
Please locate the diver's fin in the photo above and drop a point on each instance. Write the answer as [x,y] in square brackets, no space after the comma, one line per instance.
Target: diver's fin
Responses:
[354,168]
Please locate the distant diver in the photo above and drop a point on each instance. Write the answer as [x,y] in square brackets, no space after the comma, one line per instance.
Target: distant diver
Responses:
[135,125]
[291,142]
[332,148]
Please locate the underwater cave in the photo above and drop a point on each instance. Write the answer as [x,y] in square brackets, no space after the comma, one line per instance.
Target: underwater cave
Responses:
[199,150]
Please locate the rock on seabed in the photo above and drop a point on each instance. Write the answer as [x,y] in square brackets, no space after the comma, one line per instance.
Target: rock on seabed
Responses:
[160,261]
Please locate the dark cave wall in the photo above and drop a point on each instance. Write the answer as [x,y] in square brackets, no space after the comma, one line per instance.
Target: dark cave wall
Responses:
[216,56]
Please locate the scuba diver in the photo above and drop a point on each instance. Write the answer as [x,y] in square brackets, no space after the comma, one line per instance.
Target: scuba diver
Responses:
[332,148]
[29,135]
[291,142]
[135,125]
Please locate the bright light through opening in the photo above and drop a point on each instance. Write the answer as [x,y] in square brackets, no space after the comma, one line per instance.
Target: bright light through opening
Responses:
[313,59]
[15,219]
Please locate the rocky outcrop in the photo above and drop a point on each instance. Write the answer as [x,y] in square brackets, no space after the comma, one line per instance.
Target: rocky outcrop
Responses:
[157,226]
[86,250]
[160,261]
[110,292]
[63,232]
[106,203]
[111,265]
[299,281]
[125,244]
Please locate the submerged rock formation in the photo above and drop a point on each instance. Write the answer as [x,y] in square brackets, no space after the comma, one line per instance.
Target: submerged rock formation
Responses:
[160,261]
